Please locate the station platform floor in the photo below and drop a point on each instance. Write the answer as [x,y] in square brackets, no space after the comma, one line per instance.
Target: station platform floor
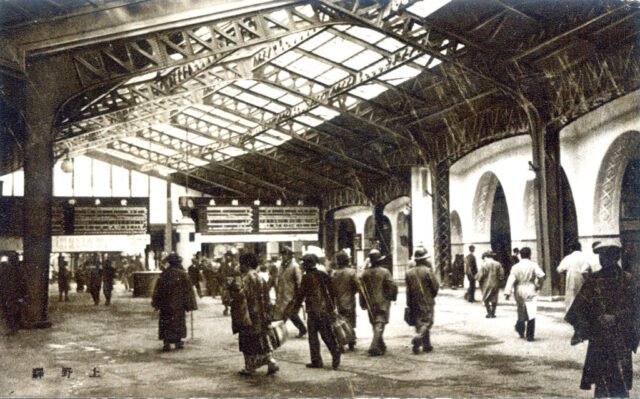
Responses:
[114,351]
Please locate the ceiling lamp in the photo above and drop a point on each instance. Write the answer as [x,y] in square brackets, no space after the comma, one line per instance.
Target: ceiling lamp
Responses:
[67,163]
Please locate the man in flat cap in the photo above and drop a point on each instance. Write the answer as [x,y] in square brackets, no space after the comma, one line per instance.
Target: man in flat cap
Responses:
[173,296]
[606,312]
[489,276]
[422,288]
[289,280]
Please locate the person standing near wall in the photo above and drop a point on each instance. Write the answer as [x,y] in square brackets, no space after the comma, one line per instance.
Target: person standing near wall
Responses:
[470,269]
[489,276]
[524,282]
[12,292]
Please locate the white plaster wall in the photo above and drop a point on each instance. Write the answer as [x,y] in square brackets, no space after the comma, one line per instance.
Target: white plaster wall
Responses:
[421,209]
[358,215]
[508,160]
[583,145]
[399,255]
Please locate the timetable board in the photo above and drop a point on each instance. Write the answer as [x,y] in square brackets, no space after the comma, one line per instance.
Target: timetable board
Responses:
[229,219]
[288,219]
[109,220]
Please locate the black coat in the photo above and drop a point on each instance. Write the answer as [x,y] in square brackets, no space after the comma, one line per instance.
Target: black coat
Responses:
[173,296]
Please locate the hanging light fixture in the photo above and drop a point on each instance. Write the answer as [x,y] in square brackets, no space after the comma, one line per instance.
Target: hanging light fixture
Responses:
[67,163]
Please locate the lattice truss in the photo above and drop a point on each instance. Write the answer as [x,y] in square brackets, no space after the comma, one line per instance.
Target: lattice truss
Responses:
[226,96]
[333,94]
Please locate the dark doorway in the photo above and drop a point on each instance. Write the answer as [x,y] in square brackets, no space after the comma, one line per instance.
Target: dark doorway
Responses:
[569,231]
[346,233]
[501,229]
[630,217]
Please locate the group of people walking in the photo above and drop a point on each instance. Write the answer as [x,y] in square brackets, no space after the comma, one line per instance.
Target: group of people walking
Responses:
[95,273]
[604,307]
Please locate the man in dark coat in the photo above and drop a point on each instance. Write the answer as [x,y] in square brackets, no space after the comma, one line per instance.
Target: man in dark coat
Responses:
[63,279]
[345,287]
[95,279]
[316,291]
[173,296]
[422,288]
[228,270]
[108,275]
[470,269]
[606,312]
[194,275]
[372,299]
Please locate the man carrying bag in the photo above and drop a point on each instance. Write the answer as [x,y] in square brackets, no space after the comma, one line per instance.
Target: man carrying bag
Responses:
[422,288]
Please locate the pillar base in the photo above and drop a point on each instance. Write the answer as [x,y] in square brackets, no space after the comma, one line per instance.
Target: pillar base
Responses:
[36,325]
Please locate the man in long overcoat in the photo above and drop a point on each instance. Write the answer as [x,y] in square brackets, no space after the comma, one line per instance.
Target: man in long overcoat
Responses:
[489,276]
[372,299]
[422,288]
[345,287]
[173,296]
[524,281]
[63,279]
[108,276]
[194,275]
[606,312]
[289,281]
[470,269]
[228,270]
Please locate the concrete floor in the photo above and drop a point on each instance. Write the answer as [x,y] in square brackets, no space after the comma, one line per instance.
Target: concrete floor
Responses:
[473,356]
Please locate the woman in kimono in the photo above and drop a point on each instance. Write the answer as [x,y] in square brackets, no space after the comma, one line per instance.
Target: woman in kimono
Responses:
[250,309]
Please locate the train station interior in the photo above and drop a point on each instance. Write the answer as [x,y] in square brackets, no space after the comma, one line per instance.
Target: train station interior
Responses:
[130,129]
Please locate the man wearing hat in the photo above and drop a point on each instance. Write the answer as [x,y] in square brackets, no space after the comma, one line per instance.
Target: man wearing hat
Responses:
[228,270]
[422,288]
[173,296]
[372,299]
[606,312]
[317,293]
[524,282]
[489,277]
[289,281]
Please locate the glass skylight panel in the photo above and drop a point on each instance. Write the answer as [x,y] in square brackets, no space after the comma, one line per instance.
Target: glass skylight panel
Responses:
[332,76]
[245,83]
[306,10]
[338,49]
[363,60]
[285,59]
[368,35]
[368,91]
[400,74]
[290,99]
[426,7]
[324,112]
[233,151]
[268,91]
[390,44]
[308,120]
[307,66]
[275,108]
[251,99]
[197,161]
[123,155]
[317,41]
[279,135]
[230,91]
